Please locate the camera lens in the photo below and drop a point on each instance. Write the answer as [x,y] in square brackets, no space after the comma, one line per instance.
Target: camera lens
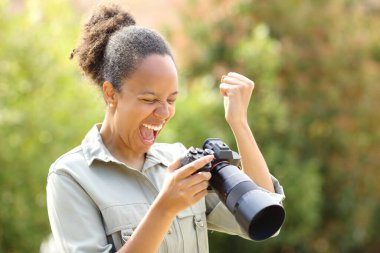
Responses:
[256,211]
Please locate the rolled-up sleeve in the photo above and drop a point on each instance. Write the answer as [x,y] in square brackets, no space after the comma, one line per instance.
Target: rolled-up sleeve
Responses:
[74,218]
[219,218]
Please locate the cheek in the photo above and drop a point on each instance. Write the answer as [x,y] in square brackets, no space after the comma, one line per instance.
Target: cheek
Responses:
[135,110]
[127,115]
[172,111]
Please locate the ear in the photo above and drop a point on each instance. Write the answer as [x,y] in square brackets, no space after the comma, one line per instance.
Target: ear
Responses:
[110,94]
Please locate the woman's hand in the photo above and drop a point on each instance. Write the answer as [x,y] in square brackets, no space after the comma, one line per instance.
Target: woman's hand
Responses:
[182,188]
[237,90]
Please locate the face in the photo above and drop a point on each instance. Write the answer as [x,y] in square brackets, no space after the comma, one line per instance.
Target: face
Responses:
[145,103]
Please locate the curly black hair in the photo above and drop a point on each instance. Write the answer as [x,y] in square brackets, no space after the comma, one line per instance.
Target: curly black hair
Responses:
[112,46]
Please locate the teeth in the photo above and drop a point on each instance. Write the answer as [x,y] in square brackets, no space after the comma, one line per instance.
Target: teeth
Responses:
[152,127]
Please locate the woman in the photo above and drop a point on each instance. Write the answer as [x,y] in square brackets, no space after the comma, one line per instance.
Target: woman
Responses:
[121,191]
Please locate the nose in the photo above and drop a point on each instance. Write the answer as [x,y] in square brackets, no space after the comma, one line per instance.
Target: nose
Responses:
[162,111]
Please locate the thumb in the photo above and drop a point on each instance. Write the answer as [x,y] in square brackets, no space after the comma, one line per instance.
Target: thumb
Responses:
[224,89]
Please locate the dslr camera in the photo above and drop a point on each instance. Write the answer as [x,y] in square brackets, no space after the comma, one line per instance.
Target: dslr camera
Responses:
[256,211]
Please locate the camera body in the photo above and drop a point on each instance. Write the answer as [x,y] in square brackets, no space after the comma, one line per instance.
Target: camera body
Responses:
[258,214]
[212,146]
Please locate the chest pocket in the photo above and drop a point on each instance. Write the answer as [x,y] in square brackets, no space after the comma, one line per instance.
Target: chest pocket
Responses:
[194,227]
[121,221]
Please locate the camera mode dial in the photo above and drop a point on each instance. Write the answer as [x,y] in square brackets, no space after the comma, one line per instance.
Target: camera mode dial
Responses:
[196,153]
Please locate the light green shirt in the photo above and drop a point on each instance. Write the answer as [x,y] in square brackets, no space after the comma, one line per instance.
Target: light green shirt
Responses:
[95,202]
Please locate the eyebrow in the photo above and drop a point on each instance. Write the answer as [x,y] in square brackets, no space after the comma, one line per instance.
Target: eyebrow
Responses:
[152,93]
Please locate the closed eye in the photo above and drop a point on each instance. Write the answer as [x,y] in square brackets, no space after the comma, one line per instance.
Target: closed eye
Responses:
[153,99]
[171,101]
[148,101]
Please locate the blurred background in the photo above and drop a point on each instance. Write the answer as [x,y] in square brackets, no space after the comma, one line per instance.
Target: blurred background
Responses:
[314,111]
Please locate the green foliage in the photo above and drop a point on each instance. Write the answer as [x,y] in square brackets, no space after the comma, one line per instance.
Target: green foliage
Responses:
[315,65]
[313,111]
[41,100]
[254,55]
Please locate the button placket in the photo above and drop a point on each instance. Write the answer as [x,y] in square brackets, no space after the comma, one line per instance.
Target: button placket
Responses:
[200,229]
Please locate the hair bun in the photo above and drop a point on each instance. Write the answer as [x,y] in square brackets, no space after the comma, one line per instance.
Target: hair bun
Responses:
[111,14]
[105,20]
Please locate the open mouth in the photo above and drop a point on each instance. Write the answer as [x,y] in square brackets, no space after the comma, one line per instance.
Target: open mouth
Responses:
[149,133]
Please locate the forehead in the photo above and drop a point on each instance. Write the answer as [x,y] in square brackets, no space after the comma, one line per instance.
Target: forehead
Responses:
[155,73]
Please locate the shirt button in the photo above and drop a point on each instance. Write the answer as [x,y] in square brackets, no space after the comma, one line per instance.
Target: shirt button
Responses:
[198,221]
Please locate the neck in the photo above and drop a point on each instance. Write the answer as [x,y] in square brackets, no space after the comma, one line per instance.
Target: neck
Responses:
[117,147]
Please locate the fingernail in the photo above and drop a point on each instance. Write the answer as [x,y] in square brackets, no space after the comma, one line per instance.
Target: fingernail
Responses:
[222,79]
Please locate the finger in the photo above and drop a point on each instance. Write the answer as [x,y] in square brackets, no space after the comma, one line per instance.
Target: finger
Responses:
[175,165]
[224,89]
[192,167]
[240,77]
[200,195]
[234,81]
[196,179]
[222,79]
[197,188]
[237,79]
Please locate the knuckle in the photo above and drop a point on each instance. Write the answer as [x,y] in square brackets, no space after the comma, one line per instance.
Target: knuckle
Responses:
[175,177]
[193,165]
[182,195]
[179,186]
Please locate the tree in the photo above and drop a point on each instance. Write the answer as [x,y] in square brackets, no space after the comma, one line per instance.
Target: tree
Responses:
[312,109]
[41,99]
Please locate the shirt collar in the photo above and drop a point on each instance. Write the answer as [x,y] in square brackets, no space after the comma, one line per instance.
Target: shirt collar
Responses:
[94,149]
[156,155]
